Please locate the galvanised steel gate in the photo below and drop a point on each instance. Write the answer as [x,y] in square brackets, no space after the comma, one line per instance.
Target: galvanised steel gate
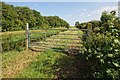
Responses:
[57,39]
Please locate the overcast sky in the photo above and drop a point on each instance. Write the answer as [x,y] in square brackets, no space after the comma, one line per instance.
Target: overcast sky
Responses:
[71,11]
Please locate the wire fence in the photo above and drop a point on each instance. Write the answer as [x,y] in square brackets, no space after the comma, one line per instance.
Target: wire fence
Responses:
[42,39]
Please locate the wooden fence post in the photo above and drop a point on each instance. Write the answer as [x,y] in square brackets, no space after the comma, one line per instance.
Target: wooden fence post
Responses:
[89,27]
[27,36]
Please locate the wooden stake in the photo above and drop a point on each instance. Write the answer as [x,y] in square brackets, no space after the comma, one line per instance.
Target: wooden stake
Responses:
[27,36]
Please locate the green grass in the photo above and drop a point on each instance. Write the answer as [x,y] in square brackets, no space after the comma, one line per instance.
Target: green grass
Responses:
[16,41]
[44,66]
[49,63]
[9,57]
[60,41]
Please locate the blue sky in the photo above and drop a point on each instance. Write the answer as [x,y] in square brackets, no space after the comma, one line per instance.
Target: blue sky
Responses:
[70,11]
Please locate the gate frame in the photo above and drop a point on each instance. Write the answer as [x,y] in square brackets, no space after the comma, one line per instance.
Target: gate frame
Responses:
[28,35]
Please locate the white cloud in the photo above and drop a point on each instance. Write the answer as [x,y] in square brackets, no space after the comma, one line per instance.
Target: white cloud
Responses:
[84,9]
[105,8]
[84,15]
[97,13]
[89,15]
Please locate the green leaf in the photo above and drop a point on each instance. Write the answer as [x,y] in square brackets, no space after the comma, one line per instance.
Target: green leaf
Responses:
[116,40]
[110,55]
[116,64]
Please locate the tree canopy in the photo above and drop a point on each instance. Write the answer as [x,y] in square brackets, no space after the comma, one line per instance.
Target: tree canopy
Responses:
[14,18]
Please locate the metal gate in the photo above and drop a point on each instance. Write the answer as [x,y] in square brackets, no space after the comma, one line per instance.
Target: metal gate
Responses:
[57,39]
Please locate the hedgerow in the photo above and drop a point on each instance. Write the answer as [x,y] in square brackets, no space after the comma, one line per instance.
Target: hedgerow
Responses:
[104,48]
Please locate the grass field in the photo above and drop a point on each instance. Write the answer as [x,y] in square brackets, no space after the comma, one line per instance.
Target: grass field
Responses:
[47,64]
[16,40]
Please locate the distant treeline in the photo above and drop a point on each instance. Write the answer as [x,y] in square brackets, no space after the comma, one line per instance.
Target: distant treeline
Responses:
[15,18]
[102,25]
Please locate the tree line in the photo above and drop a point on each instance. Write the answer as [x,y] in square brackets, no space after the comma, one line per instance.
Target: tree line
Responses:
[14,18]
[102,25]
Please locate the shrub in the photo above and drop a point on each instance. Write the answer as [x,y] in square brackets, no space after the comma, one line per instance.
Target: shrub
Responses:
[104,48]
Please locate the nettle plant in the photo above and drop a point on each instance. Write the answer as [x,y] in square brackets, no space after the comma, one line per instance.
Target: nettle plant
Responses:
[105,48]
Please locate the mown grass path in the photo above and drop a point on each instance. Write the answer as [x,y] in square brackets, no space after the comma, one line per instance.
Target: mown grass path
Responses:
[13,66]
[65,40]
